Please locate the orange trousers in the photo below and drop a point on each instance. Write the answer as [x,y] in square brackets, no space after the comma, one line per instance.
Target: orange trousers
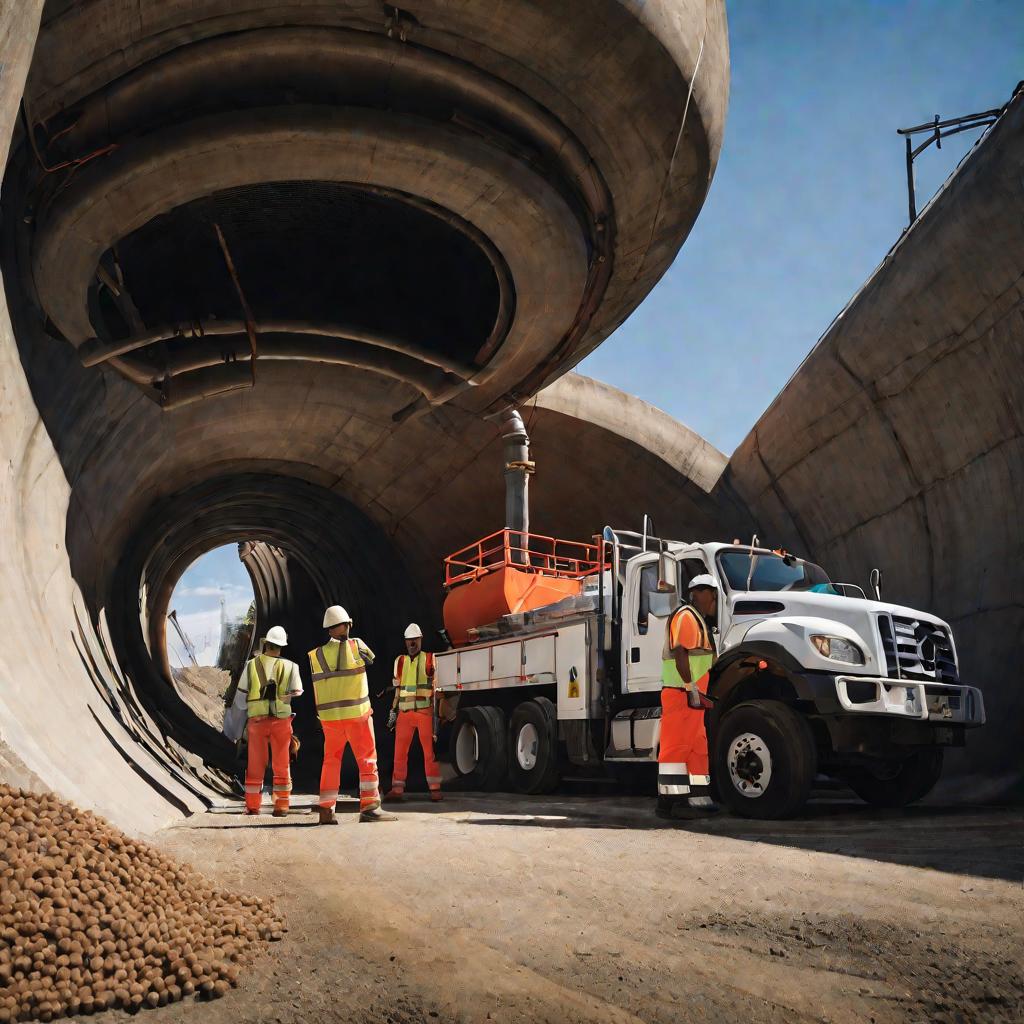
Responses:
[409,724]
[683,768]
[357,733]
[273,734]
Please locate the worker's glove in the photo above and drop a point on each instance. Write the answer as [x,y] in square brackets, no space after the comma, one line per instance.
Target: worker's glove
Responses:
[697,700]
[293,748]
[392,720]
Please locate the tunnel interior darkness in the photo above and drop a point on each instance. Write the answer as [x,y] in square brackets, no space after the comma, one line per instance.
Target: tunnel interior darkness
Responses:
[303,251]
[304,548]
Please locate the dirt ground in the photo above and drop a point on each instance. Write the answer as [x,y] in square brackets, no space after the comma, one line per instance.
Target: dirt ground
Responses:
[501,908]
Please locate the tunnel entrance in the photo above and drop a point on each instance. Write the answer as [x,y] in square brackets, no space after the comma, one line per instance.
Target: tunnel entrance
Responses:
[302,547]
[210,629]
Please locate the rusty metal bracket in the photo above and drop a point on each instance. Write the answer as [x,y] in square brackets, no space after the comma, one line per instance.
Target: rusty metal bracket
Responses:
[250,320]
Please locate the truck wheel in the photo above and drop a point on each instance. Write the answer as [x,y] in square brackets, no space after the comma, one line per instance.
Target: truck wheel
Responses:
[765,759]
[478,748]
[897,783]
[533,746]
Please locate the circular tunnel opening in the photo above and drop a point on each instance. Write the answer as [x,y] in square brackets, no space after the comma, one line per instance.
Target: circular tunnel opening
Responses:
[370,262]
[303,548]
[210,629]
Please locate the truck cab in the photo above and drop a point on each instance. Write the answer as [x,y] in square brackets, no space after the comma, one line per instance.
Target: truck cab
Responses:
[811,677]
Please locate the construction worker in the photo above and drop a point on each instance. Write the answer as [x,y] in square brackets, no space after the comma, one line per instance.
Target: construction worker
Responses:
[343,706]
[271,684]
[689,653]
[412,713]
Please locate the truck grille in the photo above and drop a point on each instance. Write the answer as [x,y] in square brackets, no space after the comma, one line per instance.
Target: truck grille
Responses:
[918,650]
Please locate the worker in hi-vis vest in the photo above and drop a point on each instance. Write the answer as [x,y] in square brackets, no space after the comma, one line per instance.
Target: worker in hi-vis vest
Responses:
[412,713]
[684,775]
[271,683]
[343,706]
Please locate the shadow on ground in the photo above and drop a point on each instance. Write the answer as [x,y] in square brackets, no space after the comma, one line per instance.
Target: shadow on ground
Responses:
[985,841]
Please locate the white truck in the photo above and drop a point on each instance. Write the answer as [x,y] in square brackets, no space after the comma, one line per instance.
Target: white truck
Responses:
[812,678]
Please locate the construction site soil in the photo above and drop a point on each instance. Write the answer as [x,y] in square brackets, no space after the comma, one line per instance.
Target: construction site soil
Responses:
[554,909]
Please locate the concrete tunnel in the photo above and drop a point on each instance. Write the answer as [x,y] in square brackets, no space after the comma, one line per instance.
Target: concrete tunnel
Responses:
[272,271]
[432,214]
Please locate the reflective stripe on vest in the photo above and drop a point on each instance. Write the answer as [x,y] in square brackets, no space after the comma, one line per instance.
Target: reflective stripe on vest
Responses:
[415,687]
[258,704]
[341,690]
[701,658]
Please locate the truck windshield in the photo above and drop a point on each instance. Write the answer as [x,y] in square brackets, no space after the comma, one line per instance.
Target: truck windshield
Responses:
[773,572]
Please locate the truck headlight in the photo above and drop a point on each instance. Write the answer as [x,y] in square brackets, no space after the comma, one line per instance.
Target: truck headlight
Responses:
[835,648]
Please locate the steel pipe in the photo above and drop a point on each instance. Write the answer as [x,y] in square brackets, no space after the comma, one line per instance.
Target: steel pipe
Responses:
[99,350]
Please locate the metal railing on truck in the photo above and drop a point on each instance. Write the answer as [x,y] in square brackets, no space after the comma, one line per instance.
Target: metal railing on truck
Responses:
[528,552]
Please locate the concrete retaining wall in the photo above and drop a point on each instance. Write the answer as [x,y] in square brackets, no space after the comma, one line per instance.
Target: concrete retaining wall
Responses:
[898,443]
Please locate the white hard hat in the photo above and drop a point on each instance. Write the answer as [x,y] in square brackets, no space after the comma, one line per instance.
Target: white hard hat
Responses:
[335,616]
[413,632]
[703,580]
[276,636]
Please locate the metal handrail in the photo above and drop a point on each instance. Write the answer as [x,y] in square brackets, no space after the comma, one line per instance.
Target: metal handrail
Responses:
[497,551]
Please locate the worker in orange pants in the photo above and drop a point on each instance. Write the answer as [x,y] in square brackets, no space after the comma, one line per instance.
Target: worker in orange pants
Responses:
[412,723]
[275,734]
[271,684]
[357,733]
[343,707]
[413,714]
[684,774]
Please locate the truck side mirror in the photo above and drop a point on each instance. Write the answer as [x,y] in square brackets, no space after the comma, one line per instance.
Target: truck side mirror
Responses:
[661,604]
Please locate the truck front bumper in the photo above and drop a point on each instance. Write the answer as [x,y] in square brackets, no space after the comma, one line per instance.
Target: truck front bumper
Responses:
[938,703]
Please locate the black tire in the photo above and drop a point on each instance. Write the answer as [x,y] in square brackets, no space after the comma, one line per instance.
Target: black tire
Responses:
[897,783]
[477,750]
[533,747]
[774,760]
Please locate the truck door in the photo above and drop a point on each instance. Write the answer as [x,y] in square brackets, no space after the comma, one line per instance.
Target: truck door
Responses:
[642,634]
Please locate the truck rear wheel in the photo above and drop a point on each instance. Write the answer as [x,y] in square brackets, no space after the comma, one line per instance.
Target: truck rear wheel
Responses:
[897,783]
[533,746]
[478,749]
[765,759]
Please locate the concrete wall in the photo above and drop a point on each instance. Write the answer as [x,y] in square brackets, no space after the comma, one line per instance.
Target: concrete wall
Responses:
[67,720]
[898,443]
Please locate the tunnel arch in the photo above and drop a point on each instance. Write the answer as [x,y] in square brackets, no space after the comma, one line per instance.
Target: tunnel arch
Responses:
[308,548]
[578,189]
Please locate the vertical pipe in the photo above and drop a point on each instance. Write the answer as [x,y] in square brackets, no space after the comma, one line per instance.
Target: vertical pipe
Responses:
[518,468]
[912,200]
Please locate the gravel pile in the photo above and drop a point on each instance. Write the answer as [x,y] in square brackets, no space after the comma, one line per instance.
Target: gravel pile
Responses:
[91,919]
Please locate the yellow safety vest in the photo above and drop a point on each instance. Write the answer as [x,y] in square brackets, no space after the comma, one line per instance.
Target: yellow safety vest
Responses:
[701,657]
[263,671]
[415,682]
[339,680]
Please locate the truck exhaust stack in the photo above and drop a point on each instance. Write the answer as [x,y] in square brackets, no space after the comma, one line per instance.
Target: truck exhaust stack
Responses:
[518,468]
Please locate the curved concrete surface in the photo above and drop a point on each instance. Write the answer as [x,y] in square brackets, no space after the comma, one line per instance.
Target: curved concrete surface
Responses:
[899,442]
[545,151]
[368,448]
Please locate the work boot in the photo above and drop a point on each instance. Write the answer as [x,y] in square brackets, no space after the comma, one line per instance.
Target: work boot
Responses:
[435,795]
[248,812]
[394,796]
[280,812]
[376,814]
[701,804]
[664,806]
[327,816]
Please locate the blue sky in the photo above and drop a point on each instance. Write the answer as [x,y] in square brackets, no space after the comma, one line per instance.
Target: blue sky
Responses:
[196,599]
[810,191]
